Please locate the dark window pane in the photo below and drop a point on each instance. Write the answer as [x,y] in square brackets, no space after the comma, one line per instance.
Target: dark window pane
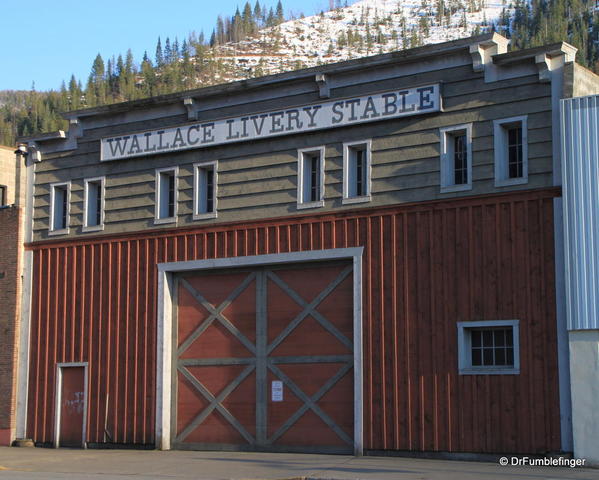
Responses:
[509,356]
[488,356]
[209,190]
[488,338]
[476,338]
[64,209]
[476,357]
[98,218]
[171,195]
[60,208]
[500,356]
[499,338]
[360,172]
[509,338]
[515,161]
[460,159]
[314,179]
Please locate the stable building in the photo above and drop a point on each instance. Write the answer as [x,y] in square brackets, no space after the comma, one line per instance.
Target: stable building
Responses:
[360,257]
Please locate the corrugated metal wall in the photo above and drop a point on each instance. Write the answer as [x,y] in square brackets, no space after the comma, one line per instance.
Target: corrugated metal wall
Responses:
[426,267]
[580,130]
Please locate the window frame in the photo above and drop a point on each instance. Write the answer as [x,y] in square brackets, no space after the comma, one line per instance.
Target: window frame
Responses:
[102,182]
[465,366]
[158,220]
[302,155]
[347,149]
[500,143]
[3,196]
[53,187]
[447,167]
[197,215]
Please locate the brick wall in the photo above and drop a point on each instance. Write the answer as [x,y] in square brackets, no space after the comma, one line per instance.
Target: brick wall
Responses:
[9,175]
[11,241]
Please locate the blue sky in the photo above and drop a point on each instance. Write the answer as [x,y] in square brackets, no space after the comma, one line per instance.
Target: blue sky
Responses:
[45,42]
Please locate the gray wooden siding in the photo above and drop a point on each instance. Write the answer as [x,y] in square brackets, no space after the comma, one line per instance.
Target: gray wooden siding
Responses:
[259,179]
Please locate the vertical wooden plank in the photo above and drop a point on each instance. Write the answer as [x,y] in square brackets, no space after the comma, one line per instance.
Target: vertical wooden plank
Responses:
[410,275]
[440,353]
[423,342]
[448,328]
[376,341]
[401,360]
[549,315]
[40,314]
[386,300]
[393,312]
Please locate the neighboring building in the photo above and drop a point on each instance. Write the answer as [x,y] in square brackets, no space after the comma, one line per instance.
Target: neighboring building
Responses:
[12,197]
[363,256]
[580,124]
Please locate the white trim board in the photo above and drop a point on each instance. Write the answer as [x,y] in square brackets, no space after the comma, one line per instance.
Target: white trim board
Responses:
[164,347]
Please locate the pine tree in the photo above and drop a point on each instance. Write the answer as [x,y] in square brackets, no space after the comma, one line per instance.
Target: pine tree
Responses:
[97,87]
[159,57]
[168,53]
[220,31]
[279,15]
[247,20]
[175,50]
[258,13]
[270,19]
[74,94]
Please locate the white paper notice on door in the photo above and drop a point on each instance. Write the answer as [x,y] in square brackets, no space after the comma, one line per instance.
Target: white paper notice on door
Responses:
[277,391]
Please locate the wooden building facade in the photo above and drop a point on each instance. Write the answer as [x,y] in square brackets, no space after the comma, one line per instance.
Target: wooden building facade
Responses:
[359,257]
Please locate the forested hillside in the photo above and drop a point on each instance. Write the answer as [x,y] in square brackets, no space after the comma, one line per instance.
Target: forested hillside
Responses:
[257,40]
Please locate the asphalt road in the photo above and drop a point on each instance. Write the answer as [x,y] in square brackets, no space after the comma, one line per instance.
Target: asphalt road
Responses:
[50,464]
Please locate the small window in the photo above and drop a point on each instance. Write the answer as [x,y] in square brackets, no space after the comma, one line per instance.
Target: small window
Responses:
[205,187]
[356,172]
[456,158]
[59,208]
[511,151]
[93,204]
[2,195]
[489,347]
[166,195]
[310,181]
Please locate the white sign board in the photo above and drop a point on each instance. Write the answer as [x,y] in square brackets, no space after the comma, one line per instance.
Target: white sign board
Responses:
[338,113]
[277,391]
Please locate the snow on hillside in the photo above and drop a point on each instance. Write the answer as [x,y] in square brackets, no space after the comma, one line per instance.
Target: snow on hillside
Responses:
[366,27]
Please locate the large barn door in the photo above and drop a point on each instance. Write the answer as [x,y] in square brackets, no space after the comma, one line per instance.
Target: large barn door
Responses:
[265,360]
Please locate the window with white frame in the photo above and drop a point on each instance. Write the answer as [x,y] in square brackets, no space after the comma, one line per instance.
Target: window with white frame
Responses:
[489,347]
[2,195]
[511,151]
[205,189]
[93,204]
[310,180]
[456,158]
[59,207]
[166,195]
[356,171]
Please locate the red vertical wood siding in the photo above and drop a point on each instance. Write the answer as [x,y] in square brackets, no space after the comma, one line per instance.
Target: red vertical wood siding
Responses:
[425,268]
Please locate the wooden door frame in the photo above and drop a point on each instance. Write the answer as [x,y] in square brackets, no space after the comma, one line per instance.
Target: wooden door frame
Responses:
[59,367]
[166,300]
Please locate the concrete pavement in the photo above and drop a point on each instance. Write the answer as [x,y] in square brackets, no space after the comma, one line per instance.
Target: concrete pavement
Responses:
[50,464]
